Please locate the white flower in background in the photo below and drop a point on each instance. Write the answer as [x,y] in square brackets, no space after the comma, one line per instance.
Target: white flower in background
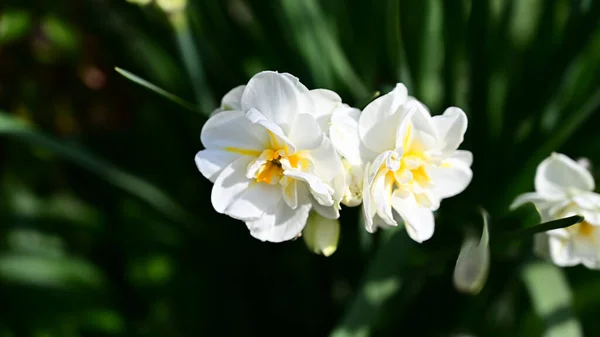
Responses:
[321,235]
[564,188]
[414,162]
[269,159]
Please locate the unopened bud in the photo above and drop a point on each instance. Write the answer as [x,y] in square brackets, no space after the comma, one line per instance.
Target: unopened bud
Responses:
[140,2]
[321,235]
[473,263]
[171,6]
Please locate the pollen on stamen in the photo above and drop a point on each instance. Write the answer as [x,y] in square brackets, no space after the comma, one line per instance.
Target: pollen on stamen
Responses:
[270,172]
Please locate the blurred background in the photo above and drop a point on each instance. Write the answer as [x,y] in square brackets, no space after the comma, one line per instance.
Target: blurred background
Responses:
[106,227]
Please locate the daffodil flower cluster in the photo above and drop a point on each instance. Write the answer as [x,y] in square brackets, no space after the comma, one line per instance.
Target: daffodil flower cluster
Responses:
[277,152]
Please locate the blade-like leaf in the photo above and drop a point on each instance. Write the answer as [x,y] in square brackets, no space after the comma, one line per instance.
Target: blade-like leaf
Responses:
[428,78]
[551,298]
[546,226]
[381,282]
[54,272]
[320,46]
[473,263]
[396,45]
[138,80]
[143,190]
[192,61]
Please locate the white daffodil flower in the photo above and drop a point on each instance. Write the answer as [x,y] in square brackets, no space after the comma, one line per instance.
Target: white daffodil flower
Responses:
[413,162]
[564,188]
[269,159]
[339,121]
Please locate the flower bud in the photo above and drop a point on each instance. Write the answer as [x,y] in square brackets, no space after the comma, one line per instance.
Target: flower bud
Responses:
[321,235]
[140,2]
[171,6]
[473,263]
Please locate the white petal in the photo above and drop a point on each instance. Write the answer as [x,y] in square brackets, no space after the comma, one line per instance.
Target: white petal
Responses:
[233,99]
[465,156]
[585,247]
[212,162]
[242,198]
[280,224]
[339,185]
[561,252]
[418,221]
[254,201]
[276,136]
[305,133]
[326,162]
[343,133]
[451,128]
[368,203]
[296,81]
[230,184]
[320,190]
[591,263]
[591,216]
[379,120]
[534,197]
[558,174]
[450,178]
[233,132]
[587,200]
[375,166]
[325,101]
[416,131]
[329,212]
[382,195]
[290,192]
[278,97]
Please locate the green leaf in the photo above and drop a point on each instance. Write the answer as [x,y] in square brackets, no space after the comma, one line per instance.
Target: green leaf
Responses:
[138,80]
[428,78]
[546,226]
[473,263]
[61,33]
[60,272]
[382,280]
[551,298]
[14,24]
[396,44]
[192,61]
[319,45]
[143,190]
